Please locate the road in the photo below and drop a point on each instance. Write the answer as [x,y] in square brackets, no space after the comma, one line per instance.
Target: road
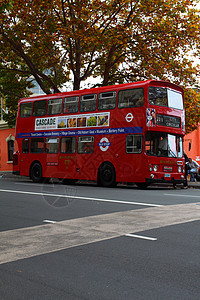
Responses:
[87,242]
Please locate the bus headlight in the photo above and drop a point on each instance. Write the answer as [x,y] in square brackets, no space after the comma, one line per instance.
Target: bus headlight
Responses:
[179,169]
[155,168]
[150,168]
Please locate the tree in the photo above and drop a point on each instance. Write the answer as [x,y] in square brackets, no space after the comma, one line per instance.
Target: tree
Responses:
[117,40]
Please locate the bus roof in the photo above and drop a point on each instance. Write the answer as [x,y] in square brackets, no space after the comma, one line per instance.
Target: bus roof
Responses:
[103,89]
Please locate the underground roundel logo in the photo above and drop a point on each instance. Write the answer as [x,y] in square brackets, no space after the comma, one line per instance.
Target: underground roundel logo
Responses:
[104,144]
[129,117]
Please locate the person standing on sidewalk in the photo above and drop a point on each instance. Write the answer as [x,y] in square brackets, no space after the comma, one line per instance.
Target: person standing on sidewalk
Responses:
[194,166]
[187,168]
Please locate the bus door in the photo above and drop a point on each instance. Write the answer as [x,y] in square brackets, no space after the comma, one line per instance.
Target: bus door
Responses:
[24,157]
[67,157]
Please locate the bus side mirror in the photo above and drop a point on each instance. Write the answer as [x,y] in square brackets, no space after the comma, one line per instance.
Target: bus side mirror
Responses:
[190,145]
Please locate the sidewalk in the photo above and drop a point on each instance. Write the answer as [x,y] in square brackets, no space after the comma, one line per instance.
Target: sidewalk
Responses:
[195,185]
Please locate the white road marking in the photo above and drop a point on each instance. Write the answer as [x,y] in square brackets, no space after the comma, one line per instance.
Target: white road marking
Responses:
[141,237]
[82,198]
[49,222]
[181,195]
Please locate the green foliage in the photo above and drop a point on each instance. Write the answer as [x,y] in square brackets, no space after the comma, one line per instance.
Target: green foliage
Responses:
[116,40]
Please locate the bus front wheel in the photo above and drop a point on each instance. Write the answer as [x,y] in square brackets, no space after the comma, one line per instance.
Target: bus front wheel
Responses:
[106,175]
[142,185]
[36,172]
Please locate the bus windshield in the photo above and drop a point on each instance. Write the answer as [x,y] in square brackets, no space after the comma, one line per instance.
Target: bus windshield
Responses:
[163,144]
[165,97]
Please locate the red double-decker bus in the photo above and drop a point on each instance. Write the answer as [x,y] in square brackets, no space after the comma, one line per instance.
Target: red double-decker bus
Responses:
[123,133]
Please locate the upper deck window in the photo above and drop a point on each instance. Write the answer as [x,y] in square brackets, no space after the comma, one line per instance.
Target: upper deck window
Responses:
[70,105]
[165,97]
[175,99]
[131,98]
[39,108]
[88,102]
[158,96]
[26,110]
[107,100]
[54,106]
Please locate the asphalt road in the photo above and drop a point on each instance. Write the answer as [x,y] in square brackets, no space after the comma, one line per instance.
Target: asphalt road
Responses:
[86,242]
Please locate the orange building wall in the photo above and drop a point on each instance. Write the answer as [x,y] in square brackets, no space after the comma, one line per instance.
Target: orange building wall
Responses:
[5,165]
[193,138]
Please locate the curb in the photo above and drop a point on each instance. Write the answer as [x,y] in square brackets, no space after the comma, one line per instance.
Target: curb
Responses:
[10,175]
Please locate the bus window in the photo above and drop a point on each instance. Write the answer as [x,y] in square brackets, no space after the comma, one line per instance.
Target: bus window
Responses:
[163,144]
[70,105]
[175,99]
[39,108]
[107,100]
[86,144]
[131,98]
[158,96]
[25,146]
[54,106]
[52,145]
[68,145]
[179,143]
[25,110]
[133,143]
[37,145]
[88,102]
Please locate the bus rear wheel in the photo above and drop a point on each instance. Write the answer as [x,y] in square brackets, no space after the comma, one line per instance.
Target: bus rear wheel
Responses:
[106,175]
[36,172]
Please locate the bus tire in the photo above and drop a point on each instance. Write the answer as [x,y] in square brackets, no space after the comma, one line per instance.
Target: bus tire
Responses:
[106,175]
[36,172]
[142,185]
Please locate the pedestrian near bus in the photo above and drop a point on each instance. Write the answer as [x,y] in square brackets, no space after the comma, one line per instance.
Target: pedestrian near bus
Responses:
[187,168]
[194,166]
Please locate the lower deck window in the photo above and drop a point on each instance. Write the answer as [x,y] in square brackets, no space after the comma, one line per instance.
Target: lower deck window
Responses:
[134,143]
[37,145]
[25,146]
[86,144]
[52,145]
[68,145]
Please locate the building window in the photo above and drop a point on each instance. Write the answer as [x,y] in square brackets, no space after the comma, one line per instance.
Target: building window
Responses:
[10,150]
[10,146]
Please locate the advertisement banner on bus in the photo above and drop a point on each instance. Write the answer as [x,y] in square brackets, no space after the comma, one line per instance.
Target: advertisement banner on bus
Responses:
[73,121]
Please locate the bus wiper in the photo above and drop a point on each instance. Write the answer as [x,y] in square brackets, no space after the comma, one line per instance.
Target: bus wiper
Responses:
[172,153]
